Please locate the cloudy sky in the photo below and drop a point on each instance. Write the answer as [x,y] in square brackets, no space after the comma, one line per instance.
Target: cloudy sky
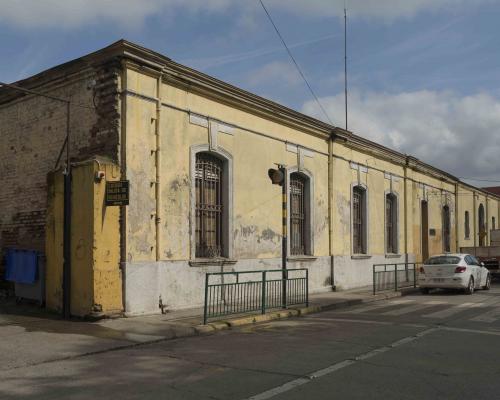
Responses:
[424,75]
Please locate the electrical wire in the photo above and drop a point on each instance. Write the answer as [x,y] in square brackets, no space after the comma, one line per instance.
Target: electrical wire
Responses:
[295,62]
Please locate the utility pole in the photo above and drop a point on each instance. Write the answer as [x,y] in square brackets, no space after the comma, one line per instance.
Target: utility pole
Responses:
[279,177]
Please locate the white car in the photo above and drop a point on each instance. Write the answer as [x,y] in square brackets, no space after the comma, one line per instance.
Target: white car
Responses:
[453,271]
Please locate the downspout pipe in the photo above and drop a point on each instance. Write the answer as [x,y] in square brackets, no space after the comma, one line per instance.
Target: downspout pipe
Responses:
[457,242]
[474,215]
[159,85]
[486,224]
[405,200]
[330,216]
[123,176]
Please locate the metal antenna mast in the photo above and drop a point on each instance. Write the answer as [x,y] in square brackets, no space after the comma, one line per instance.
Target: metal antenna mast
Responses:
[345,62]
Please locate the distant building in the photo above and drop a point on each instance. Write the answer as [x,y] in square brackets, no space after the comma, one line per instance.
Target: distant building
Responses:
[196,152]
[493,189]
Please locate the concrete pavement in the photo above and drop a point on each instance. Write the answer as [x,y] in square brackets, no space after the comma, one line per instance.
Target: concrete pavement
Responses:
[31,336]
[433,347]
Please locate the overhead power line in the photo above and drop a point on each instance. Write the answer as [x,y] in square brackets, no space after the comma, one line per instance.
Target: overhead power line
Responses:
[295,62]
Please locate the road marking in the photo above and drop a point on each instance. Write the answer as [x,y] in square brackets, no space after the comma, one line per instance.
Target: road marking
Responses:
[377,306]
[447,328]
[413,308]
[490,316]
[453,310]
[363,321]
[268,394]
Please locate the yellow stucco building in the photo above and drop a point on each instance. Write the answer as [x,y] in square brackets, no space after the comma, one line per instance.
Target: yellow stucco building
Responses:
[196,152]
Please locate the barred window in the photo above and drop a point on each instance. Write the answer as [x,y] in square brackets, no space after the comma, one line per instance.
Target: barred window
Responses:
[298,217]
[446,229]
[391,228]
[467,225]
[359,220]
[208,206]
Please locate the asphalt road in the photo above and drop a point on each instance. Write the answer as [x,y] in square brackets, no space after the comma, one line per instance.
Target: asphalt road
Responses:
[439,346]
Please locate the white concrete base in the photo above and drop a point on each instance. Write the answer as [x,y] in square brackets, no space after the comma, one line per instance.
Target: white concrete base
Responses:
[351,273]
[181,286]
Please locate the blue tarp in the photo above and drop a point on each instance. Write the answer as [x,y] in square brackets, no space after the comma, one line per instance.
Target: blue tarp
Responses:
[21,266]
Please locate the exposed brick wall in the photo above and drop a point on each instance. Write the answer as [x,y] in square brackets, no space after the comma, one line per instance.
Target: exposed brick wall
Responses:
[32,132]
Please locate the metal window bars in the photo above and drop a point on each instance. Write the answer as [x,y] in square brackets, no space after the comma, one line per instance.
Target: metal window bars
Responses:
[297,215]
[357,221]
[208,206]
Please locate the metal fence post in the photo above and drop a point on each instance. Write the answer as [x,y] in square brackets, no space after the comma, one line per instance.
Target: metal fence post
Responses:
[206,299]
[373,267]
[414,275]
[307,287]
[395,277]
[263,292]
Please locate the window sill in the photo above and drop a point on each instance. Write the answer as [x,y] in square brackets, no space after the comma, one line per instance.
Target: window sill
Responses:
[360,256]
[392,255]
[207,262]
[301,258]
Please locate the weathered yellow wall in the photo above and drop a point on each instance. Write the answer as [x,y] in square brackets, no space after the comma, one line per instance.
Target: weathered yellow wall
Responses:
[54,241]
[95,243]
[107,276]
[256,216]
[256,202]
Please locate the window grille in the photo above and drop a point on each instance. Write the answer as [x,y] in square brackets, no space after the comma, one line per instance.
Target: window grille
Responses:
[446,229]
[358,236]
[467,225]
[297,215]
[209,206]
[390,223]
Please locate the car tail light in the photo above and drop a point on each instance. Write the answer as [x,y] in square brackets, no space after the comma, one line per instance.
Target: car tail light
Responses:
[459,270]
[421,270]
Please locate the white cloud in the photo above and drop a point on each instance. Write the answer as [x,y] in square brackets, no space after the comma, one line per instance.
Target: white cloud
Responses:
[384,9]
[282,72]
[459,134]
[76,13]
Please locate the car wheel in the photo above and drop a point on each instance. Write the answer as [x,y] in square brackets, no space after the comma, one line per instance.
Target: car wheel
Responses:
[488,283]
[470,286]
[424,290]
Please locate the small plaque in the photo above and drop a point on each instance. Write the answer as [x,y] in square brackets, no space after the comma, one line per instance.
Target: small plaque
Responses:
[117,193]
[432,232]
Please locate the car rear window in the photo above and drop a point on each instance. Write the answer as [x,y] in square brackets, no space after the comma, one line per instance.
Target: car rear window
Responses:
[443,260]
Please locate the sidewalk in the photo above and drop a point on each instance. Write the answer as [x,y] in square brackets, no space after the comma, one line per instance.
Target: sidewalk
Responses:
[189,322]
[31,336]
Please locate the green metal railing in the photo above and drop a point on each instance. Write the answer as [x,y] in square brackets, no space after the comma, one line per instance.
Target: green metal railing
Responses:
[229,293]
[394,276]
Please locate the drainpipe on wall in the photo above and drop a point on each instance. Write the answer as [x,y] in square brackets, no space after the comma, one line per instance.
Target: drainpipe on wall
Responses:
[474,211]
[457,243]
[486,225]
[330,217]
[405,199]
[159,84]
[123,176]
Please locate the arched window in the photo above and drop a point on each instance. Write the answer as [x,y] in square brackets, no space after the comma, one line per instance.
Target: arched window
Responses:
[298,214]
[391,223]
[209,206]
[446,229]
[359,220]
[467,225]
[482,227]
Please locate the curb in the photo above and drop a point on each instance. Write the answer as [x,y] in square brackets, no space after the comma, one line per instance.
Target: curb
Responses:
[213,327]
